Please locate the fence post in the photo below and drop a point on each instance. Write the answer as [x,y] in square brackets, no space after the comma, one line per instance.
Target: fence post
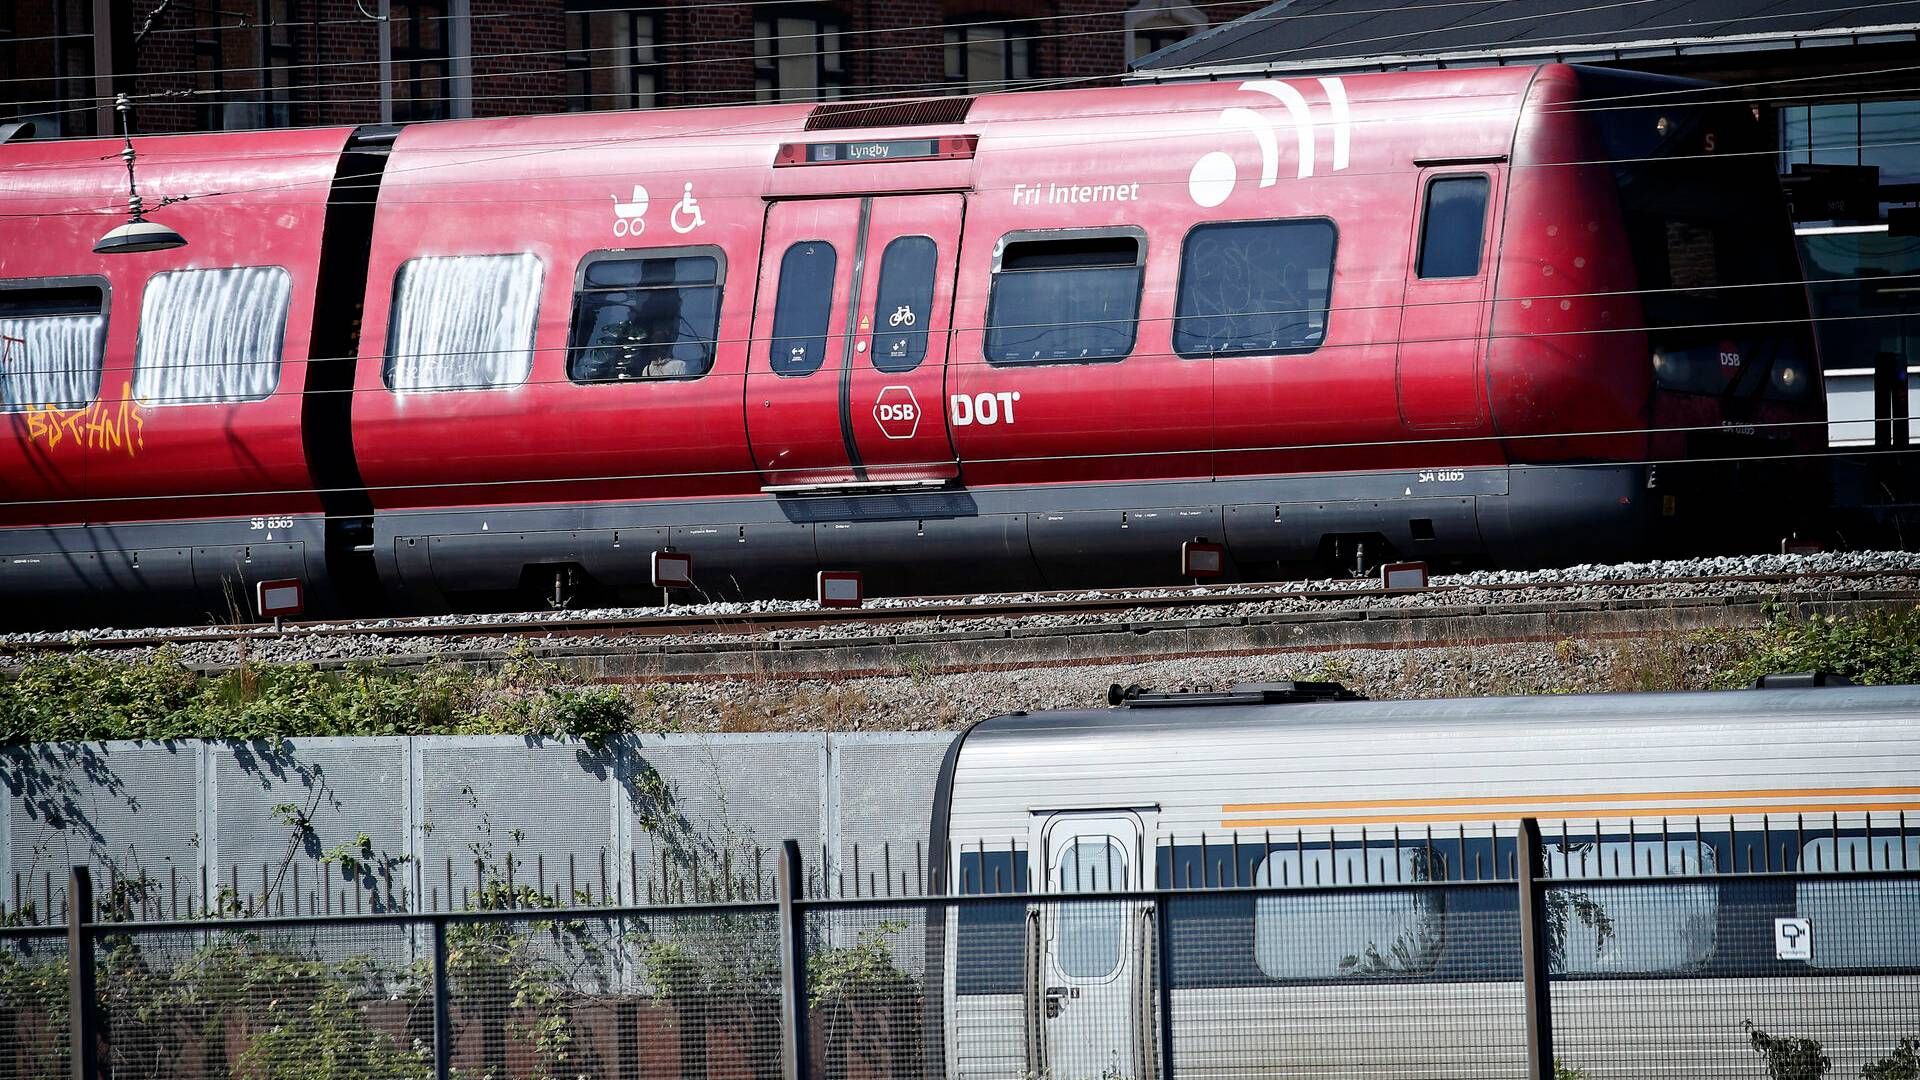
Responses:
[442,1005]
[1163,956]
[1535,952]
[82,1001]
[793,964]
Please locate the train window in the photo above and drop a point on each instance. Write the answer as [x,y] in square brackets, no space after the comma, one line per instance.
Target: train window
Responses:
[1866,923]
[801,308]
[1090,935]
[1254,288]
[1065,297]
[462,322]
[1620,929]
[211,335]
[53,335]
[902,303]
[1324,935]
[1454,226]
[651,315]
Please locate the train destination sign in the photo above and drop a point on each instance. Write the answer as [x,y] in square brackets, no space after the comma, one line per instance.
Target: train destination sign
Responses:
[876,150]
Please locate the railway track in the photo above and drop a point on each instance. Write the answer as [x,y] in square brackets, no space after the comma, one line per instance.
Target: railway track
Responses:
[700,620]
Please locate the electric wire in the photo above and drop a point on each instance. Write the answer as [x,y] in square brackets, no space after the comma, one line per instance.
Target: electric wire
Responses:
[892,47]
[1329,312]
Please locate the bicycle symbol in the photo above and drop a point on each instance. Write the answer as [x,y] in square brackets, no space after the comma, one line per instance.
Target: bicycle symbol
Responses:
[902,316]
[628,216]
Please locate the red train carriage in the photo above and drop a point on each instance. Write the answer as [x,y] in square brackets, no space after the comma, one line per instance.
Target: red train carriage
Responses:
[1498,315]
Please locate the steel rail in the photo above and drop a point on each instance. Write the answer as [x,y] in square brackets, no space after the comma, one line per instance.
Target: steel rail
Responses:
[946,607]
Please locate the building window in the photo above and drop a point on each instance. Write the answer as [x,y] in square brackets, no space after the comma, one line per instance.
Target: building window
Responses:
[1151,39]
[987,58]
[610,58]
[1877,133]
[1252,288]
[209,75]
[463,322]
[1070,297]
[418,39]
[209,336]
[797,57]
[73,66]
[1153,25]
[645,315]
[279,55]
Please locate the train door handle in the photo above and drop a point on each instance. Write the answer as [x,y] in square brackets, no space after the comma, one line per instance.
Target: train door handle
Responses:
[1055,995]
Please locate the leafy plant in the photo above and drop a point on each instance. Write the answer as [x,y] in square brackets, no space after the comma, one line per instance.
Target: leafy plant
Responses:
[1789,1057]
[1902,1064]
[1877,647]
[82,697]
[1563,1071]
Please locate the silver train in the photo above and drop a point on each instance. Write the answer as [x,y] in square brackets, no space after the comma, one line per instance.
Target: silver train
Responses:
[1293,787]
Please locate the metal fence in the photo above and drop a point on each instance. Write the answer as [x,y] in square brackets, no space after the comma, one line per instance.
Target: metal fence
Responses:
[1541,967]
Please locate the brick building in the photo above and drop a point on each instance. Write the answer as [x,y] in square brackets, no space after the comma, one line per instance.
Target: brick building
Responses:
[236,64]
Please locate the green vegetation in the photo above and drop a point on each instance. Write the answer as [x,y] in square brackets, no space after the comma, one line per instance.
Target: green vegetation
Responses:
[1875,647]
[1902,1064]
[69,698]
[1789,1057]
[78,698]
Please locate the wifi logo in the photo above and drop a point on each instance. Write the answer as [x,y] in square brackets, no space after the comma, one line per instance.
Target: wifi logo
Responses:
[1215,175]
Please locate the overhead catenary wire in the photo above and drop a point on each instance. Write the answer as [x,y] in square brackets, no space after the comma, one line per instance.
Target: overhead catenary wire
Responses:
[756,470]
[891,47]
[535,351]
[786,129]
[1664,96]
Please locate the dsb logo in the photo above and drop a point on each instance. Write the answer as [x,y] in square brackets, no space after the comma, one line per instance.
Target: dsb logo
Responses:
[897,412]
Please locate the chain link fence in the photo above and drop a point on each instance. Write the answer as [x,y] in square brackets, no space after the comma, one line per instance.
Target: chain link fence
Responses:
[1748,976]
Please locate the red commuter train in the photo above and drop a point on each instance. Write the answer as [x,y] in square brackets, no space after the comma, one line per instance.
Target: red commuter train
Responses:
[1507,316]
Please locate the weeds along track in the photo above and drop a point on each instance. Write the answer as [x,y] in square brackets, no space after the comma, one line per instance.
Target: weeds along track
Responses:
[1077,627]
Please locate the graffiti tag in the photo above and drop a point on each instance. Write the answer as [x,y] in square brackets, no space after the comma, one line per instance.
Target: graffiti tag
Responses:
[104,425]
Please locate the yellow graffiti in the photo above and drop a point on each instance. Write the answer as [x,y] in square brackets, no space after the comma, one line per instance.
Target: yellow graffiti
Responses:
[104,425]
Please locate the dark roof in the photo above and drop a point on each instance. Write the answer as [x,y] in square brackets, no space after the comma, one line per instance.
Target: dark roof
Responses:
[1347,35]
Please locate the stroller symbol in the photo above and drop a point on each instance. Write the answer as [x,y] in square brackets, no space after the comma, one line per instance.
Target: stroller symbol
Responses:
[627,216]
[689,206]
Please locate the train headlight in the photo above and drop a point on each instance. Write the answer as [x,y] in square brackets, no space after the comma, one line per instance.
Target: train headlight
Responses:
[1790,378]
[1670,369]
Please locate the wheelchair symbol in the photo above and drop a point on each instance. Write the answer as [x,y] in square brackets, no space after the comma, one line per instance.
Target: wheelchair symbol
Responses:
[690,207]
[902,316]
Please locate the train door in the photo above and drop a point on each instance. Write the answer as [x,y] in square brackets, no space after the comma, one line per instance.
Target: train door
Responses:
[1443,323]
[846,375]
[1091,970]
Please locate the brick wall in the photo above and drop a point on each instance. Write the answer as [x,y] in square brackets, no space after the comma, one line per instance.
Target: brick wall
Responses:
[518,66]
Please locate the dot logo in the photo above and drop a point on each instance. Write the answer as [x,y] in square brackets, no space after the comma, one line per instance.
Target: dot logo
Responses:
[1216,174]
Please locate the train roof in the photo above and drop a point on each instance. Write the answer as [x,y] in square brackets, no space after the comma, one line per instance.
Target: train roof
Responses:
[1173,720]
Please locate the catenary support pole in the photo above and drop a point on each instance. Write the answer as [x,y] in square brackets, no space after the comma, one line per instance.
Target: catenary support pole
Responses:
[83,1017]
[793,964]
[1535,952]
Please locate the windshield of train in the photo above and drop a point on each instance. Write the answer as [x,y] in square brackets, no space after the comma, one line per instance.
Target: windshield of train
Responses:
[1706,221]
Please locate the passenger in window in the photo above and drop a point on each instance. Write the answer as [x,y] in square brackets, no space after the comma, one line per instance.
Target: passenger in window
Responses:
[640,345]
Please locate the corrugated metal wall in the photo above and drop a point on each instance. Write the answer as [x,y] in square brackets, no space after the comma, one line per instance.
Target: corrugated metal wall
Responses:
[326,824]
